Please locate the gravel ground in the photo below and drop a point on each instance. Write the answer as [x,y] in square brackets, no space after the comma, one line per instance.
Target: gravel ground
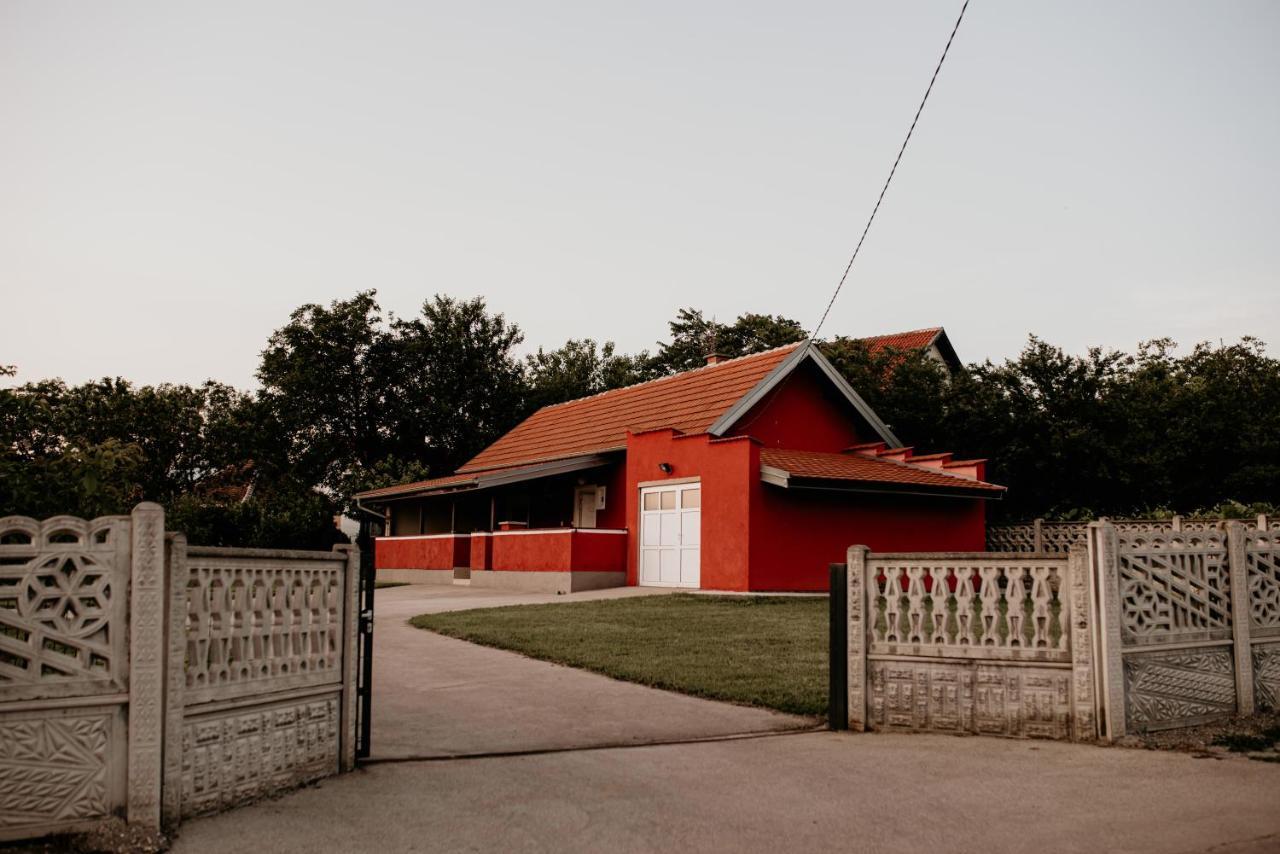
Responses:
[1255,737]
[109,837]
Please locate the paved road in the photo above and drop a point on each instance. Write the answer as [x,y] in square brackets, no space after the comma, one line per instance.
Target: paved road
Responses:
[436,696]
[767,792]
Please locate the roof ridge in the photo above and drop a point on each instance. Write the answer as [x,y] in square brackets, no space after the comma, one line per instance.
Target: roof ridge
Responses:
[670,377]
[903,332]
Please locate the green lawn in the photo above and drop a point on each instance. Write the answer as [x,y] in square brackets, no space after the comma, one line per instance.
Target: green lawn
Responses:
[760,650]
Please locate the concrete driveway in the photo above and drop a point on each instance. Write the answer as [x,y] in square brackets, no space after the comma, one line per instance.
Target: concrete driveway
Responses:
[436,696]
[771,790]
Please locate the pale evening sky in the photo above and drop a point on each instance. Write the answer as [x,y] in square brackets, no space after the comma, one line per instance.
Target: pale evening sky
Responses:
[176,177]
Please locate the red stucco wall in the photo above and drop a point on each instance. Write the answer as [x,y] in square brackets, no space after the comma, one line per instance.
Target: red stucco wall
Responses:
[796,534]
[561,550]
[599,552]
[531,552]
[481,552]
[432,552]
[725,467]
[614,514]
[803,413]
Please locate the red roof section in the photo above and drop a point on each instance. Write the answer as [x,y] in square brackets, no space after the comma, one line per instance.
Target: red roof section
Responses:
[689,402]
[433,483]
[917,339]
[868,469]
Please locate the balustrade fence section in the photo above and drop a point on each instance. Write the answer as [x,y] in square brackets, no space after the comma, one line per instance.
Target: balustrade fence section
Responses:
[143,677]
[1129,630]
[981,643]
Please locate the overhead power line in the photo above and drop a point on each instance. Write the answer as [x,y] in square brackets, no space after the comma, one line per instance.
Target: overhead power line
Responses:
[894,169]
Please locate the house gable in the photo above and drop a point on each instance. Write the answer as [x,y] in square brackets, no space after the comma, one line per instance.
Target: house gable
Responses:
[805,412]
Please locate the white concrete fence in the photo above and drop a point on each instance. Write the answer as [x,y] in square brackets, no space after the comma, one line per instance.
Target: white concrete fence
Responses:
[1124,633]
[1041,536]
[146,678]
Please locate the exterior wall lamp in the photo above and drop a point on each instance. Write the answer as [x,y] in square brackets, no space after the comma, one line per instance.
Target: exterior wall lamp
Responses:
[666,468]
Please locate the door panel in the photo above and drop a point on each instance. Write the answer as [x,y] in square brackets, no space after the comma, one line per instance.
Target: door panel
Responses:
[690,571]
[649,566]
[691,528]
[670,529]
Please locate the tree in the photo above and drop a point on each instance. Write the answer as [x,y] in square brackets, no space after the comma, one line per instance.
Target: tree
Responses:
[906,388]
[458,385]
[359,398]
[693,337]
[580,368]
[325,377]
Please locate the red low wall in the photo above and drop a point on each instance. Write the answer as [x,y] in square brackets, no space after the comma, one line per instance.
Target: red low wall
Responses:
[443,551]
[481,552]
[558,550]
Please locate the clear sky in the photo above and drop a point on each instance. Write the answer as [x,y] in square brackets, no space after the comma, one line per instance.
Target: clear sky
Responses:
[175,177]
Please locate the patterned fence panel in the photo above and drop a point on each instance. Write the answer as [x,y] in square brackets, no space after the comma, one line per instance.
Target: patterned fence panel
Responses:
[1262,562]
[984,643]
[269,678]
[140,676]
[64,672]
[1059,537]
[1192,632]
[1175,599]
[1014,538]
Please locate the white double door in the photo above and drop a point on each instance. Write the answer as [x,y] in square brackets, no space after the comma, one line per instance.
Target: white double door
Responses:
[671,535]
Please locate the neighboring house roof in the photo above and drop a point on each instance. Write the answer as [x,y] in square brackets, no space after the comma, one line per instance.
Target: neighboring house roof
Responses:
[871,471]
[704,400]
[916,339]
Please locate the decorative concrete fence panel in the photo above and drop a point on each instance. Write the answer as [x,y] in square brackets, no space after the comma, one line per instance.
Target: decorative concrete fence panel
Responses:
[1133,630]
[1191,625]
[1262,562]
[269,673]
[64,672]
[1058,537]
[145,678]
[980,643]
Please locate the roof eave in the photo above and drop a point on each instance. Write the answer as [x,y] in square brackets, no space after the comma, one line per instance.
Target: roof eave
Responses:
[786,480]
[498,477]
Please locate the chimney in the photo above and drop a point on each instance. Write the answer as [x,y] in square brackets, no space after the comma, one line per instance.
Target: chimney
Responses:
[713,358]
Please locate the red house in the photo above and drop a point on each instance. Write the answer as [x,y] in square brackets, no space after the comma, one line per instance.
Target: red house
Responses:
[746,474]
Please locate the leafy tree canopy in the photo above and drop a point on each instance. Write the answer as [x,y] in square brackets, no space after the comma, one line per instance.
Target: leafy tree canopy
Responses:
[352,400]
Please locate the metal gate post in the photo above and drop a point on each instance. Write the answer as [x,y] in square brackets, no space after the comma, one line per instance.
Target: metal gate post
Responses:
[838,649]
[364,684]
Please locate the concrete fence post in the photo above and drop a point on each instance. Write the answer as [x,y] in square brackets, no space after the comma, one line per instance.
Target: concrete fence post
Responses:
[1039,535]
[177,578]
[1175,524]
[1240,617]
[1081,627]
[350,656]
[146,665]
[1263,521]
[1107,607]
[856,585]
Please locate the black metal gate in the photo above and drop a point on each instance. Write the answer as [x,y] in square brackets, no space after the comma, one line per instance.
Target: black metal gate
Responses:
[364,669]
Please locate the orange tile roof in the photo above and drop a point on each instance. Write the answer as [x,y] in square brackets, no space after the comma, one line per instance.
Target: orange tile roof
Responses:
[917,339]
[432,483]
[868,469]
[689,402]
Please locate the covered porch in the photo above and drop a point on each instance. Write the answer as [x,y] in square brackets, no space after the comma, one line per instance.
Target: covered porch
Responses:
[556,527]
